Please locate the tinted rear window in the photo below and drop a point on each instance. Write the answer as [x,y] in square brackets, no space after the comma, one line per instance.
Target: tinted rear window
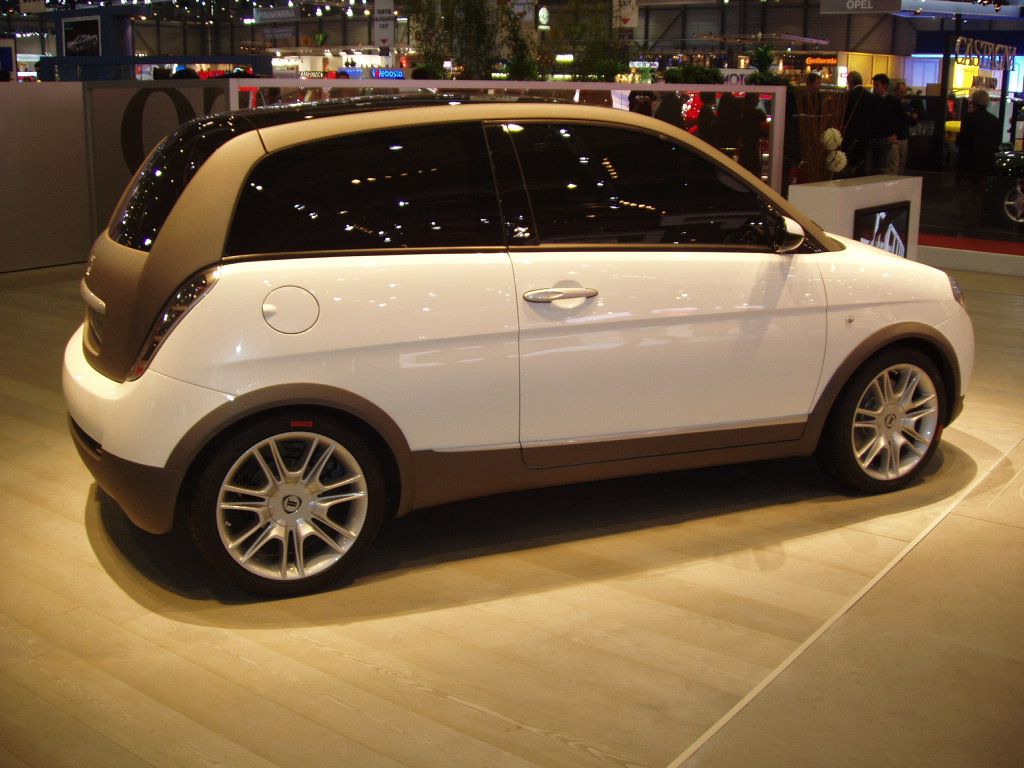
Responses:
[425,186]
[158,184]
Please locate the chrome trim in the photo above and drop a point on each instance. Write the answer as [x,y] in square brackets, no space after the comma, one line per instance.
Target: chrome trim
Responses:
[547,295]
[94,302]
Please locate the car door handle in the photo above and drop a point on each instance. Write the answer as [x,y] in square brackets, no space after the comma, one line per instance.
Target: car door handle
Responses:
[547,295]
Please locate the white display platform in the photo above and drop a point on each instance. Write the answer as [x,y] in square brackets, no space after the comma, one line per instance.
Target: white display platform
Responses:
[832,204]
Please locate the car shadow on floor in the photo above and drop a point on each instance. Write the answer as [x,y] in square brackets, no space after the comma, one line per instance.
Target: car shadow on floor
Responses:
[783,500]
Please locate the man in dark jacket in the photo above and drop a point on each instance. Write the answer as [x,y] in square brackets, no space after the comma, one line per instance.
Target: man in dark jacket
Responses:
[906,119]
[860,109]
[979,138]
[884,124]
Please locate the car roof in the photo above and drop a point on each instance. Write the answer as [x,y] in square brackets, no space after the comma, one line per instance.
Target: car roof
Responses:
[280,114]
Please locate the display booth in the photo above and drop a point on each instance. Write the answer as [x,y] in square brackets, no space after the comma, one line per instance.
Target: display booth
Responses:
[884,211]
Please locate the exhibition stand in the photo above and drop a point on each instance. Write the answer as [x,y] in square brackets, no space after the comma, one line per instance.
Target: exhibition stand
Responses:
[884,211]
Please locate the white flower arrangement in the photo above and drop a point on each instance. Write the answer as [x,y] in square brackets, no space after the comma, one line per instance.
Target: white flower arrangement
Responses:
[831,139]
[835,160]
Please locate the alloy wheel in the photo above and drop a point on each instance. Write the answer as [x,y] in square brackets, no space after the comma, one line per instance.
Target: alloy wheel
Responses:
[1013,203]
[895,422]
[292,506]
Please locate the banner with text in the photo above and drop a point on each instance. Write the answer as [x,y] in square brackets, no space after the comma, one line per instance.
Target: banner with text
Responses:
[384,23]
[628,13]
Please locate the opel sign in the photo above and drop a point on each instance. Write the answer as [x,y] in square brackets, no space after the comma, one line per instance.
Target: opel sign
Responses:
[859,6]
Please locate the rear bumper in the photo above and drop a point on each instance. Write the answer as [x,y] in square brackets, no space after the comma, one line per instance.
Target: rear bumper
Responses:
[148,495]
[125,433]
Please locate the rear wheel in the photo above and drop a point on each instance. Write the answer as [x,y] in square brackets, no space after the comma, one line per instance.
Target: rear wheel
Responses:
[886,425]
[288,504]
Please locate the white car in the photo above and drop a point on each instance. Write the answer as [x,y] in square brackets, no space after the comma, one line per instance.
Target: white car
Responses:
[303,321]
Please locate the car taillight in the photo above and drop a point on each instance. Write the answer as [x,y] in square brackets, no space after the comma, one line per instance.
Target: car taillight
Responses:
[95,314]
[186,297]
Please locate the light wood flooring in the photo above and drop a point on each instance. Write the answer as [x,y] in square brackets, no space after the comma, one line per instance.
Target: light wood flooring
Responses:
[606,624]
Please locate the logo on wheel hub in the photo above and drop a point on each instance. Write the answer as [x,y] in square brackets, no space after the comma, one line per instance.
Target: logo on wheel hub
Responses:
[890,421]
[291,504]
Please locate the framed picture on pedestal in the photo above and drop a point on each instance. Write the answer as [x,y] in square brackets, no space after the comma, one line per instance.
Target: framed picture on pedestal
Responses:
[884,226]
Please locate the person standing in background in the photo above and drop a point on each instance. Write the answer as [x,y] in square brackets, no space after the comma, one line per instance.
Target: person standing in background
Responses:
[727,130]
[860,108]
[884,125]
[979,138]
[811,101]
[707,125]
[753,121]
[670,108]
[641,102]
[905,118]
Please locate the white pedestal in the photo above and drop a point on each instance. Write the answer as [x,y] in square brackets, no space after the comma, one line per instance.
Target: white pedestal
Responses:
[833,204]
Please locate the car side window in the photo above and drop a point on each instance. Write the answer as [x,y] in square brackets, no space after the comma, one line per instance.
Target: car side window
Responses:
[409,187]
[604,184]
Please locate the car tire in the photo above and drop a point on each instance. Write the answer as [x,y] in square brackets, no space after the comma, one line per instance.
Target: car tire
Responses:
[1013,202]
[886,424]
[288,504]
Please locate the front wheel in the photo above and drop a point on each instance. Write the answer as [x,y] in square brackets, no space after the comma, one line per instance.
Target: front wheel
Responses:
[886,425]
[287,505]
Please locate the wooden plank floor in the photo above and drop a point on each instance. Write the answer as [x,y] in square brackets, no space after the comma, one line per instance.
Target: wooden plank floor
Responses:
[606,624]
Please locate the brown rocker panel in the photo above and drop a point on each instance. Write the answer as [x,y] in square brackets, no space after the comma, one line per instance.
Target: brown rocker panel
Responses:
[446,477]
[567,454]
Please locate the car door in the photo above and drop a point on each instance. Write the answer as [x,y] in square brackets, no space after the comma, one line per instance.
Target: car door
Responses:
[655,315]
[396,236]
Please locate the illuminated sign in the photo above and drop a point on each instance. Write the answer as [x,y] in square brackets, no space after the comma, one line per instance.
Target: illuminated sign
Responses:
[985,54]
[388,74]
[822,61]
[859,6]
[263,15]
